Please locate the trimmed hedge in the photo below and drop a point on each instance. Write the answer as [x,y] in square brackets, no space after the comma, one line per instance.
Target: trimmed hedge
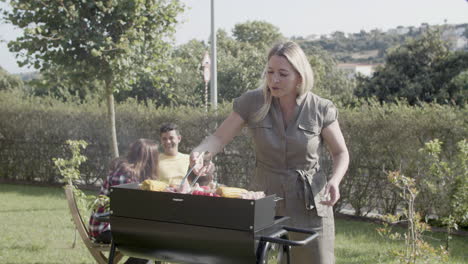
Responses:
[388,137]
[380,138]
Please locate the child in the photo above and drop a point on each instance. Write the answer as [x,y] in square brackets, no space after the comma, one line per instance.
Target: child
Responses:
[139,164]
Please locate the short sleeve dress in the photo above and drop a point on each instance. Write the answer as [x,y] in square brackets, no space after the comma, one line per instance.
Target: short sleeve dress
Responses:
[288,165]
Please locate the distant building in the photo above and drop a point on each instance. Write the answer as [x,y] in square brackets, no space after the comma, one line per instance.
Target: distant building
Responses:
[400,30]
[352,69]
[459,31]
[454,36]
[312,37]
[461,43]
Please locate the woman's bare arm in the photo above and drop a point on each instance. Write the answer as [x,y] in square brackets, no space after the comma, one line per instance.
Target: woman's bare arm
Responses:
[336,144]
[230,128]
[225,133]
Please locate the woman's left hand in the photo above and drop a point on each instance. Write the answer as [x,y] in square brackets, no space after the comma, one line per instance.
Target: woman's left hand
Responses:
[332,191]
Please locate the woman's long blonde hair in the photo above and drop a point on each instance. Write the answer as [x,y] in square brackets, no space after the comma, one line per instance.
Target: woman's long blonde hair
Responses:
[298,60]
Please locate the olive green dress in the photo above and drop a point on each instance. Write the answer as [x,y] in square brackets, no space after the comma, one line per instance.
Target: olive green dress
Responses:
[288,165]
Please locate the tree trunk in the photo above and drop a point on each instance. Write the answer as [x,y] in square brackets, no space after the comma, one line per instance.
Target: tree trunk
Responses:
[111,120]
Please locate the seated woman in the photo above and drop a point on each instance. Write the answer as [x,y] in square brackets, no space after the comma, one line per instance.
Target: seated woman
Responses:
[139,164]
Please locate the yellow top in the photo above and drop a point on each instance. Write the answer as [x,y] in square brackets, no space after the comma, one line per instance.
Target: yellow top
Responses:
[172,169]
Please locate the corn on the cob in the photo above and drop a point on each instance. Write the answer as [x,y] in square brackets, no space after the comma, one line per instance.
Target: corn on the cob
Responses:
[230,192]
[153,185]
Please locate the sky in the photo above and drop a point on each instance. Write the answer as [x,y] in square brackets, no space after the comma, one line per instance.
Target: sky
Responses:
[293,18]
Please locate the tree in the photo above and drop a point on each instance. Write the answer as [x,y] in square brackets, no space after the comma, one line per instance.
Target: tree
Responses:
[242,58]
[257,33]
[52,82]
[422,69]
[185,86]
[329,81]
[109,42]
[188,82]
[451,75]
[240,66]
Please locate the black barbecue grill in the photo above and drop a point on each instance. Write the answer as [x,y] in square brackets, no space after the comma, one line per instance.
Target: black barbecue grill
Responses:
[186,228]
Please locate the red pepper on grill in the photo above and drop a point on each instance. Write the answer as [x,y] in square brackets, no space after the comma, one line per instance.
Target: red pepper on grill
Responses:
[197,192]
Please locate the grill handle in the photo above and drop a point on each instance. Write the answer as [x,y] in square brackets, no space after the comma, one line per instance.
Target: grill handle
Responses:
[277,199]
[312,235]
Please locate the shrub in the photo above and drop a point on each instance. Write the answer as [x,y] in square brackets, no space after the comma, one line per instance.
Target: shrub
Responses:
[379,138]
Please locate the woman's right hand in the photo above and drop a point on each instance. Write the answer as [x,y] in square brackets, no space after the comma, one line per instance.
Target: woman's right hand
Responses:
[201,163]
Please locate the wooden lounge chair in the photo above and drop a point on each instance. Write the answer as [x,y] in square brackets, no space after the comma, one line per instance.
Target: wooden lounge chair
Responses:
[96,249]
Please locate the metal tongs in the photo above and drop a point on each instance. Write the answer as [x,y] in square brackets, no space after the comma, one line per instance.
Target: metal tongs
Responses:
[206,161]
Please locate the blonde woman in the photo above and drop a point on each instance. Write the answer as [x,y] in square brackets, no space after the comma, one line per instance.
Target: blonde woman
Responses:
[290,125]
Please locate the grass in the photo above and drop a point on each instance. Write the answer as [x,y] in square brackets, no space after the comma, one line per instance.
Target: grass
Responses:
[358,243]
[36,227]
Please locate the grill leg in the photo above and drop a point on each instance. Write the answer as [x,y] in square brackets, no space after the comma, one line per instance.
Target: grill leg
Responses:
[287,251]
[284,255]
[112,253]
[262,252]
[264,247]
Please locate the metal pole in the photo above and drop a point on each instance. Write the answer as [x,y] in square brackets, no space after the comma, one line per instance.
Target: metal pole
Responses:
[214,77]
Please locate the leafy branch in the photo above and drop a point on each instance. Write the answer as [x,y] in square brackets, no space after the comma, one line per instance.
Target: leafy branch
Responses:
[71,176]
[416,249]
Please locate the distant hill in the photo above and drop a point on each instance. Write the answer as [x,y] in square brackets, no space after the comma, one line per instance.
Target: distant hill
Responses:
[371,47]
[364,47]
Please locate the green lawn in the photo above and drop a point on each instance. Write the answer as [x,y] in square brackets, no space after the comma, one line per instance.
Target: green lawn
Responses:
[35,227]
[358,243]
